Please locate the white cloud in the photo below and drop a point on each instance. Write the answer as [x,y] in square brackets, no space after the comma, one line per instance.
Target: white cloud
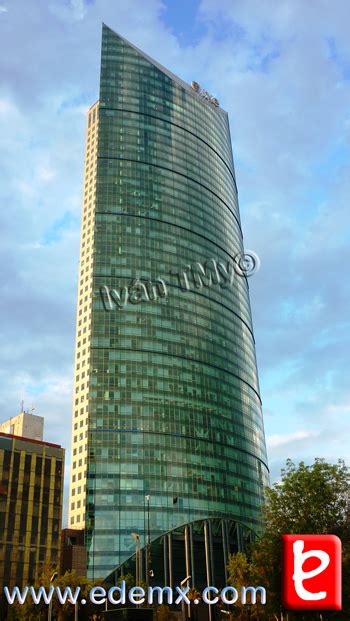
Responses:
[269,64]
[45,173]
[73,10]
[278,440]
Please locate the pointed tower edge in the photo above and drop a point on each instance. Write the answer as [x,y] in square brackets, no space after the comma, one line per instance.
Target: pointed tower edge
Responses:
[159,66]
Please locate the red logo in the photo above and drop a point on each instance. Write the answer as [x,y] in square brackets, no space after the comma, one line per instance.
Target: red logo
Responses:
[311,572]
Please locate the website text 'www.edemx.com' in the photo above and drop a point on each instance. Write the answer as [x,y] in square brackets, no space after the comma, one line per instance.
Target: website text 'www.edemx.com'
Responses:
[136,595]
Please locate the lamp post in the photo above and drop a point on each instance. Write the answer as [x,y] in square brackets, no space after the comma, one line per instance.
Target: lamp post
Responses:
[92,524]
[148,547]
[136,538]
[49,613]
[225,612]
[183,613]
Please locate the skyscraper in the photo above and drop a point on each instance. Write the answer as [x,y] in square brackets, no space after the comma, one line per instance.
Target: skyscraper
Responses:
[167,423]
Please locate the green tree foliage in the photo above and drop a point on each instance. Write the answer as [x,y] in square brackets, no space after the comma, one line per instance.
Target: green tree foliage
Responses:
[307,500]
[240,572]
[36,612]
[163,613]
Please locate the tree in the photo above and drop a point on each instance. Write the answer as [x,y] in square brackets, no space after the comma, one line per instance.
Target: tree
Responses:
[240,575]
[308,500]
[62,612]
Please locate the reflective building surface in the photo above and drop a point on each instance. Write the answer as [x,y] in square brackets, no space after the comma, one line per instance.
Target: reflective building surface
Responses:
[167,422]
[31,498]
[200,550]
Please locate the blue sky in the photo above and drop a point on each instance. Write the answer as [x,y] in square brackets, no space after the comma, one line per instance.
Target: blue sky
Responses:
[282,71]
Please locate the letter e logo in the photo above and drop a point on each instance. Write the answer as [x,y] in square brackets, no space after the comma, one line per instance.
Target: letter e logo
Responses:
[311,572]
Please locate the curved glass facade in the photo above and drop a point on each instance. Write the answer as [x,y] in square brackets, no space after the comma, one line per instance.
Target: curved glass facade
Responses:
[173,402]
[200,550]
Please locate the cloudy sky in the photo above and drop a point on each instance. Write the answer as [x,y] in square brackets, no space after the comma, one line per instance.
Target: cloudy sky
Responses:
[282,70]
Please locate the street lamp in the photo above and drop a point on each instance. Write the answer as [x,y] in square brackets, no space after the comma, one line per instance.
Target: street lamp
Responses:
[182,583]
[148,547]
[49,613]
[136,538]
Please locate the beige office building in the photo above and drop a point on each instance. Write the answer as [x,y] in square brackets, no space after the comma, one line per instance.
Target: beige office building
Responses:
[25,425]
[81,377]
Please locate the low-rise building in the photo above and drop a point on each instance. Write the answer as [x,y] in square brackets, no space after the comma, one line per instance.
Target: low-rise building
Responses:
[73,551]
[24,424]
[31,495]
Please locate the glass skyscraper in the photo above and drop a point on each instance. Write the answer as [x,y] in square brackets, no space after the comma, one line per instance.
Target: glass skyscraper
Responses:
[167,422]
